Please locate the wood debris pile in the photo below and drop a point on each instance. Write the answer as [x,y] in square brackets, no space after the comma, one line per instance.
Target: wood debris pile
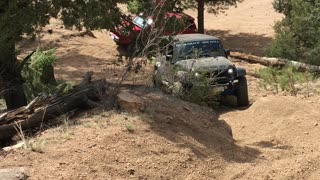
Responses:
[44,108]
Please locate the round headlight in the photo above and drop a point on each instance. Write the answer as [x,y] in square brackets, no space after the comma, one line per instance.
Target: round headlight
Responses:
[230,71]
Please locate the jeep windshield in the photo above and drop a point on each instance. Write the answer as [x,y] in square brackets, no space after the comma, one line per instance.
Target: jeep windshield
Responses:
[142,23]
[197,49]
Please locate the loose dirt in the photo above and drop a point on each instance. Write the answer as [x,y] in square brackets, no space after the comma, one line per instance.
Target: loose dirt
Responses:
[274,138]
[247,27]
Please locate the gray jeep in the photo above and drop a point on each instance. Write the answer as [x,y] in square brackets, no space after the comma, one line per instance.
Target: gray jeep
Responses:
[200,55]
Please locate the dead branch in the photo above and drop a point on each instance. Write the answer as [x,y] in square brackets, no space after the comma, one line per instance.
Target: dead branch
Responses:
[39,110]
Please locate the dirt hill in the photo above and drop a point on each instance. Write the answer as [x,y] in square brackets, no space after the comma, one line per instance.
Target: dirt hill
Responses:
[164,142]
[285,131]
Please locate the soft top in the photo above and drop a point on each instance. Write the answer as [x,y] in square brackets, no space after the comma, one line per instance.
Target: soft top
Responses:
[193,37]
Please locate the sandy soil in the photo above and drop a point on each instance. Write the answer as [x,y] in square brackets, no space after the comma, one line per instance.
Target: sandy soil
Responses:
[164,142]
[247,27]
[284,130]
[275,138]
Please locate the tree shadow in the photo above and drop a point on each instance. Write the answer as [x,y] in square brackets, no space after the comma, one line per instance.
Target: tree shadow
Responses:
[243,42]
[73,67]
[272,145]
[106,62]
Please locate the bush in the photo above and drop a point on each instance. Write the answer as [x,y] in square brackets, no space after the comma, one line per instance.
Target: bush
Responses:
[192,88]
[38,74]
[138,6]
[284,79]
[298,34]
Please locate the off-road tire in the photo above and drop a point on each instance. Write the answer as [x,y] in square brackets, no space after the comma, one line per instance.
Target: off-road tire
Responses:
[242,92]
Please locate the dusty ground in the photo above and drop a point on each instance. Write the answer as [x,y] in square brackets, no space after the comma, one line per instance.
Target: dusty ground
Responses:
[247,27]
[275,138]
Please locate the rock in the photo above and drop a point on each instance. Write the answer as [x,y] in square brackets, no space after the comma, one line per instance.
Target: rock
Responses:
[18,173]
[169,119]
[17,146]
[131,172]
[130,103]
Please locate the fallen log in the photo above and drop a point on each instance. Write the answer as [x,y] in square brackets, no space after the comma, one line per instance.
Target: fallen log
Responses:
[271,62]
[34,115]
[274,62]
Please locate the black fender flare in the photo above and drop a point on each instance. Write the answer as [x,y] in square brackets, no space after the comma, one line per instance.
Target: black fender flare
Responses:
[241,72]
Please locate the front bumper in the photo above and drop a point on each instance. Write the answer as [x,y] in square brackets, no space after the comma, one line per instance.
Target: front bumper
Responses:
[114,37]
[120,39]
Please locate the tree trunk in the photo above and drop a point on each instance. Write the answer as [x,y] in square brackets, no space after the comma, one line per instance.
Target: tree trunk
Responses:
[201,16]
[11,77]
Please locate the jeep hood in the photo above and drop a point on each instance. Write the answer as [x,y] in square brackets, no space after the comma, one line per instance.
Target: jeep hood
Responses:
[207,63]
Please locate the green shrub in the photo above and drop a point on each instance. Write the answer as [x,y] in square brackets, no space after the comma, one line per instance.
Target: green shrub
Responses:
[298,34]
[38,74]
[138,6]
[201,91]
[203,95]
[283,79]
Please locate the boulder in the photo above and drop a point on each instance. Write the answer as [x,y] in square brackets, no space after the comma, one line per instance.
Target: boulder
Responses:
[130,103]
[18,173]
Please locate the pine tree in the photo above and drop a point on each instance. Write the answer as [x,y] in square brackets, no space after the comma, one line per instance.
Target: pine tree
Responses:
[297,34]
[24,17]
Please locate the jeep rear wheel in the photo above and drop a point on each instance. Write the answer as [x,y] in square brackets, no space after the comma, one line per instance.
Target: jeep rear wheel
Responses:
[242,92]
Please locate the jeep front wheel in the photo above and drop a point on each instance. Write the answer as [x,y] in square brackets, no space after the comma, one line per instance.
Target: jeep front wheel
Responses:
[242,92]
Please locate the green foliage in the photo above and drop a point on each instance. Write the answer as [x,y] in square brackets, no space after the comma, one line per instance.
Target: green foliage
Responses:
[41,61]
[213,6]
[196,88]
[138,6]
[283,79]
[203,95]
[38,75]
[20,17]
[297,35]
[202,92]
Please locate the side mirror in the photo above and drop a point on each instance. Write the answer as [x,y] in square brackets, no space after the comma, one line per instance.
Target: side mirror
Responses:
[169,53]
[227,52]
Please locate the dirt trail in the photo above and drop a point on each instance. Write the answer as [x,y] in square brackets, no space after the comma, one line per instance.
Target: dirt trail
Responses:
[285,130]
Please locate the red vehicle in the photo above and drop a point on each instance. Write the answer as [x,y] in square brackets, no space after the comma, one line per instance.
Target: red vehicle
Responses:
[126,32]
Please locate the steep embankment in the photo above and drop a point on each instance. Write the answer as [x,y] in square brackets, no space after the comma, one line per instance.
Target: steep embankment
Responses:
[173,138]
